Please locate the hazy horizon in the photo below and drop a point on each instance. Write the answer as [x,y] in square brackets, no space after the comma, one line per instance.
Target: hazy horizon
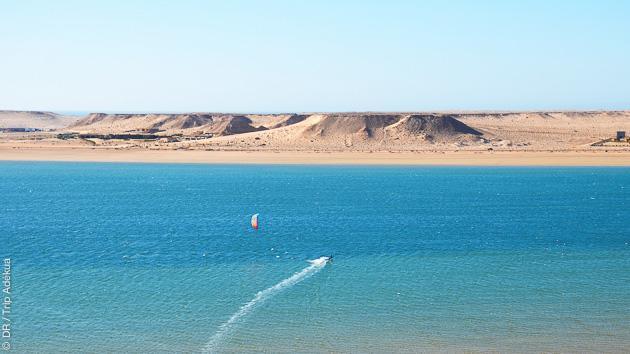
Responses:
[497,111]
[281,56]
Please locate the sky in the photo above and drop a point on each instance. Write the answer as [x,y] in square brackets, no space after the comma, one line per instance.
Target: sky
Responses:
[307,56]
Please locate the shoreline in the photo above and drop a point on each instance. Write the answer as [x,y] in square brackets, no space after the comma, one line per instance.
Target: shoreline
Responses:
[425,158]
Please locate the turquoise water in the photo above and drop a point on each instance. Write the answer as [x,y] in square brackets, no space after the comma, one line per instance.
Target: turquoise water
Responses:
[158,258]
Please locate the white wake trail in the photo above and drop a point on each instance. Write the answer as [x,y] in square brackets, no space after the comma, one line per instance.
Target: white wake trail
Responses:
[261,297]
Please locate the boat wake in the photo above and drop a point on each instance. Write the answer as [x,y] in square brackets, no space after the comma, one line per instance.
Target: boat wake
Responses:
[314,267]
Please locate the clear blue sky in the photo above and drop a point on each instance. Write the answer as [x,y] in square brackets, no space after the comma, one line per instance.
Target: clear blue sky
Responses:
[270,56]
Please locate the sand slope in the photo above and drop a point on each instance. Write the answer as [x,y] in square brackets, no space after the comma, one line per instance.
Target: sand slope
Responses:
[359,132]
[34,119]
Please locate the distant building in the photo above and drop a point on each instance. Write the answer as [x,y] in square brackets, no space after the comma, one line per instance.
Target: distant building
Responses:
[621,135]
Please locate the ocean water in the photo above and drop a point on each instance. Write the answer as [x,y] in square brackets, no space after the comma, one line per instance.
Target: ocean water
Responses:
[161,258]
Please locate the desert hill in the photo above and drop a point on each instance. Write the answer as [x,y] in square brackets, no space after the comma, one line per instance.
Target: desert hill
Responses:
[331,131]
[359,131]
[431,126]
[292,131]
[34,119]
[389,126]
[188,124]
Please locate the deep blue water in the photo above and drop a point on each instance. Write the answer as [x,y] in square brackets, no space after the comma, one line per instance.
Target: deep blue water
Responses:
[155,258]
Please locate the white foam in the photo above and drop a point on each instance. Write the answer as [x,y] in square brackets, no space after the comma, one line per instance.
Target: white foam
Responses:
[315,266]
[319,261]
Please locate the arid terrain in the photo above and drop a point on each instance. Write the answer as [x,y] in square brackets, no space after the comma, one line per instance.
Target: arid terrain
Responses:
[27,135]
[34,119]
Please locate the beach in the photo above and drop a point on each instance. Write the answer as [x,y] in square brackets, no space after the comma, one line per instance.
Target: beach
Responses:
[455,158]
